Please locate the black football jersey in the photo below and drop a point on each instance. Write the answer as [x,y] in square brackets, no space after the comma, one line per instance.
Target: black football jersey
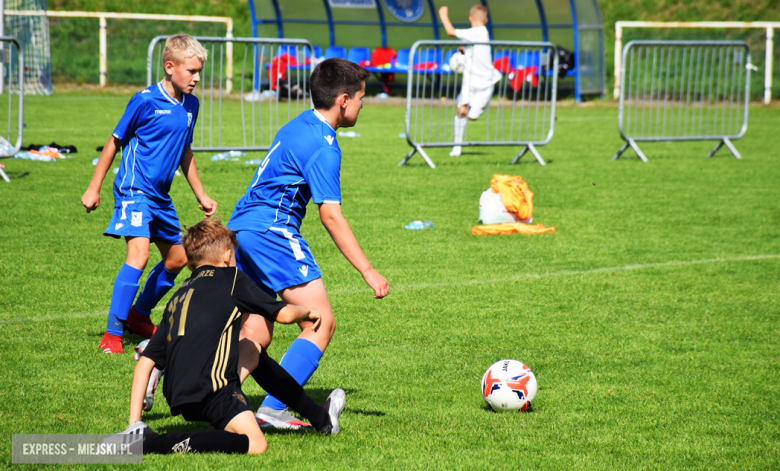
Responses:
[197,341]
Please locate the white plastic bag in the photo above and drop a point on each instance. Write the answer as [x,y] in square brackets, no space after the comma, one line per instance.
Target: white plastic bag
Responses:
[493,211]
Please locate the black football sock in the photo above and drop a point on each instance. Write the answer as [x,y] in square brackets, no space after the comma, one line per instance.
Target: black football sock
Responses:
[277,382]
[207,441]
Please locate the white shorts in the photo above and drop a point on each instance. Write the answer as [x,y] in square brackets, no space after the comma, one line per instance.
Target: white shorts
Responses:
[477,100]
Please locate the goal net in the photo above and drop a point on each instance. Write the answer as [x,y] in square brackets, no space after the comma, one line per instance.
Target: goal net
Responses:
[32,30]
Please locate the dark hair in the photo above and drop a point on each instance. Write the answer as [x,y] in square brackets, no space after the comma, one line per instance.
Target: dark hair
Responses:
[207,240]
[335,76]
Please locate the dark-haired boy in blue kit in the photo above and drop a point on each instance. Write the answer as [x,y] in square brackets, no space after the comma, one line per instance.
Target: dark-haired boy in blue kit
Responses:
[303,164]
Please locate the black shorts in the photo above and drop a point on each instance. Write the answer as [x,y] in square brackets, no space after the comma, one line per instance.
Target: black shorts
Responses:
[218,409]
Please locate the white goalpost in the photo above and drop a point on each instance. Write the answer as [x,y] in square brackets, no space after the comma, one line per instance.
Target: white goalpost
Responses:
[769,26]
[33,33]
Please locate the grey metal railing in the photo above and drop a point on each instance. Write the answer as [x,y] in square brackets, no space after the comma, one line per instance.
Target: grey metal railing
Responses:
[684,91]
[520,113]
[273,89]
[12,93]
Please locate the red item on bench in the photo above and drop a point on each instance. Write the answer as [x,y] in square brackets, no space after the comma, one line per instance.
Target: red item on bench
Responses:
[426,66]
[382,56]
[517,77]
[278,68]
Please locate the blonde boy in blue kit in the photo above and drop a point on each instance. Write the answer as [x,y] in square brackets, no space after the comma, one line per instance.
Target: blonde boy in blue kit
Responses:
[155,134]
[303,164]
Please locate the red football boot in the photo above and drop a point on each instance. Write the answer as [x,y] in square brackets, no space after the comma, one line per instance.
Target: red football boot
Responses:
[111,343]
[139,325]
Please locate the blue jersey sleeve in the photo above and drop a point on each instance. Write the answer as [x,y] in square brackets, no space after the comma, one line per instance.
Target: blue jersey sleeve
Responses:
[323,176]
[132,119]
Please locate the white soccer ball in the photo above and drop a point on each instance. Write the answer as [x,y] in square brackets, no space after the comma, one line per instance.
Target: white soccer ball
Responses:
[509,385]
[457,62]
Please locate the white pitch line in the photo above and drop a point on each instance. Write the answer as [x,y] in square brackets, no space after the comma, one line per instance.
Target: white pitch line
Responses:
[526,276]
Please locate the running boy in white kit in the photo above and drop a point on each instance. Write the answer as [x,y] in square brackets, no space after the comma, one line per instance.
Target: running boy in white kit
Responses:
[479,75]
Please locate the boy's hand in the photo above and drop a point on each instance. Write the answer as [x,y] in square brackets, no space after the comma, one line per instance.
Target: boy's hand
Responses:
[314,316]
[376,281]
[208,205]
[91,200]
[444,11]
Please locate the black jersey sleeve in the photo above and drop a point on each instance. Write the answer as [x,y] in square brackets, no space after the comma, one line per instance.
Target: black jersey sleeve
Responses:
[250,299]
[157,347]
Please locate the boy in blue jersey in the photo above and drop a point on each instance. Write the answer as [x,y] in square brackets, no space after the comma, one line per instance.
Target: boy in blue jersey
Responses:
[303,164]
[155,134]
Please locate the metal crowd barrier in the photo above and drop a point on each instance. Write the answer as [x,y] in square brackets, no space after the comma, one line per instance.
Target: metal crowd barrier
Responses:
[684,91]
[11,96]
[521,113]
[273,90]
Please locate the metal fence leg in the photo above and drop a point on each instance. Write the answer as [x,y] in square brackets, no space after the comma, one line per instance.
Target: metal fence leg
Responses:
[532,148]
[422,154]
[620,152]
[408,156]
[425,156]
[519,156]
[728,144]
[633,145]
[5,177]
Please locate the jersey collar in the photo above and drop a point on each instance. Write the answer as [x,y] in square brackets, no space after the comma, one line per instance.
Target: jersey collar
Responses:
[322,118]
[165,94]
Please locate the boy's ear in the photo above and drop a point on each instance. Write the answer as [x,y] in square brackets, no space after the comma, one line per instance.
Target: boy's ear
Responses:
[342,100]
[168,66]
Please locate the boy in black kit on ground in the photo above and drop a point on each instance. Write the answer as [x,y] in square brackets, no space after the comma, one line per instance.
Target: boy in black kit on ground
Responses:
[197,343]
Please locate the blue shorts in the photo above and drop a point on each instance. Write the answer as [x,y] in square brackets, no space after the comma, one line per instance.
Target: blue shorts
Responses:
[276,259]
[137,218]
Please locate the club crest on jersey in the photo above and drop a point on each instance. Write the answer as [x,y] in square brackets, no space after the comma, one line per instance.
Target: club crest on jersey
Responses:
[189,119]
[329,139]
[304,269]
[137,219]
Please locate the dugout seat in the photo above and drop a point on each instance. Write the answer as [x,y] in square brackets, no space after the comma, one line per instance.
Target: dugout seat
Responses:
[401,60]
[336,51]
[360,56]
[428,59]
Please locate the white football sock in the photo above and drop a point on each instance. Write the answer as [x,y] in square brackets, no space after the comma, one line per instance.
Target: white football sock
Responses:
[460,126]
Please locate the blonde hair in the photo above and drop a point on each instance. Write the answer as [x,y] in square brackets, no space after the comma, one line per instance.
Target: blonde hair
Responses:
[479,13]
[180,47]
[207,240]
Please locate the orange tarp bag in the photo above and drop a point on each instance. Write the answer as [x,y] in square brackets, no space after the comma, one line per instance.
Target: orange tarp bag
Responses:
[518,199]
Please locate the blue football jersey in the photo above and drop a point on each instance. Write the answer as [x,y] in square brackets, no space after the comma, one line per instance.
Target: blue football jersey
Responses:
[303,164]
[155,130]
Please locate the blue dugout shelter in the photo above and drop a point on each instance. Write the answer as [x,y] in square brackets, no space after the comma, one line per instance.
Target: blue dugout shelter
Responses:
[572,24]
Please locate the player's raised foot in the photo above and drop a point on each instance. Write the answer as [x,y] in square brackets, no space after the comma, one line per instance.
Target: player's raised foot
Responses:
[139,325]
[280,419]
[154,377]
[335,406]
[111,343]
[455,152]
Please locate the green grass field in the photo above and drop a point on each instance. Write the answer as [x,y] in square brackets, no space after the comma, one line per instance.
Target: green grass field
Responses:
[651,317]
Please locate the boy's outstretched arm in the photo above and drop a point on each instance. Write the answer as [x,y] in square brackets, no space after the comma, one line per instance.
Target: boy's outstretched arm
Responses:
[445,21]
[293,314]
[341,233]
[143,368]
[91,197]
[191,174]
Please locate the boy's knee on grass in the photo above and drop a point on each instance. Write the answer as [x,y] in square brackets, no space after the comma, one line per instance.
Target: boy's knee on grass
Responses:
[246,424]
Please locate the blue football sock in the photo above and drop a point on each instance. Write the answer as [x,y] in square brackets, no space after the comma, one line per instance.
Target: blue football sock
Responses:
[125,287]
[158,283]
[301,361]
